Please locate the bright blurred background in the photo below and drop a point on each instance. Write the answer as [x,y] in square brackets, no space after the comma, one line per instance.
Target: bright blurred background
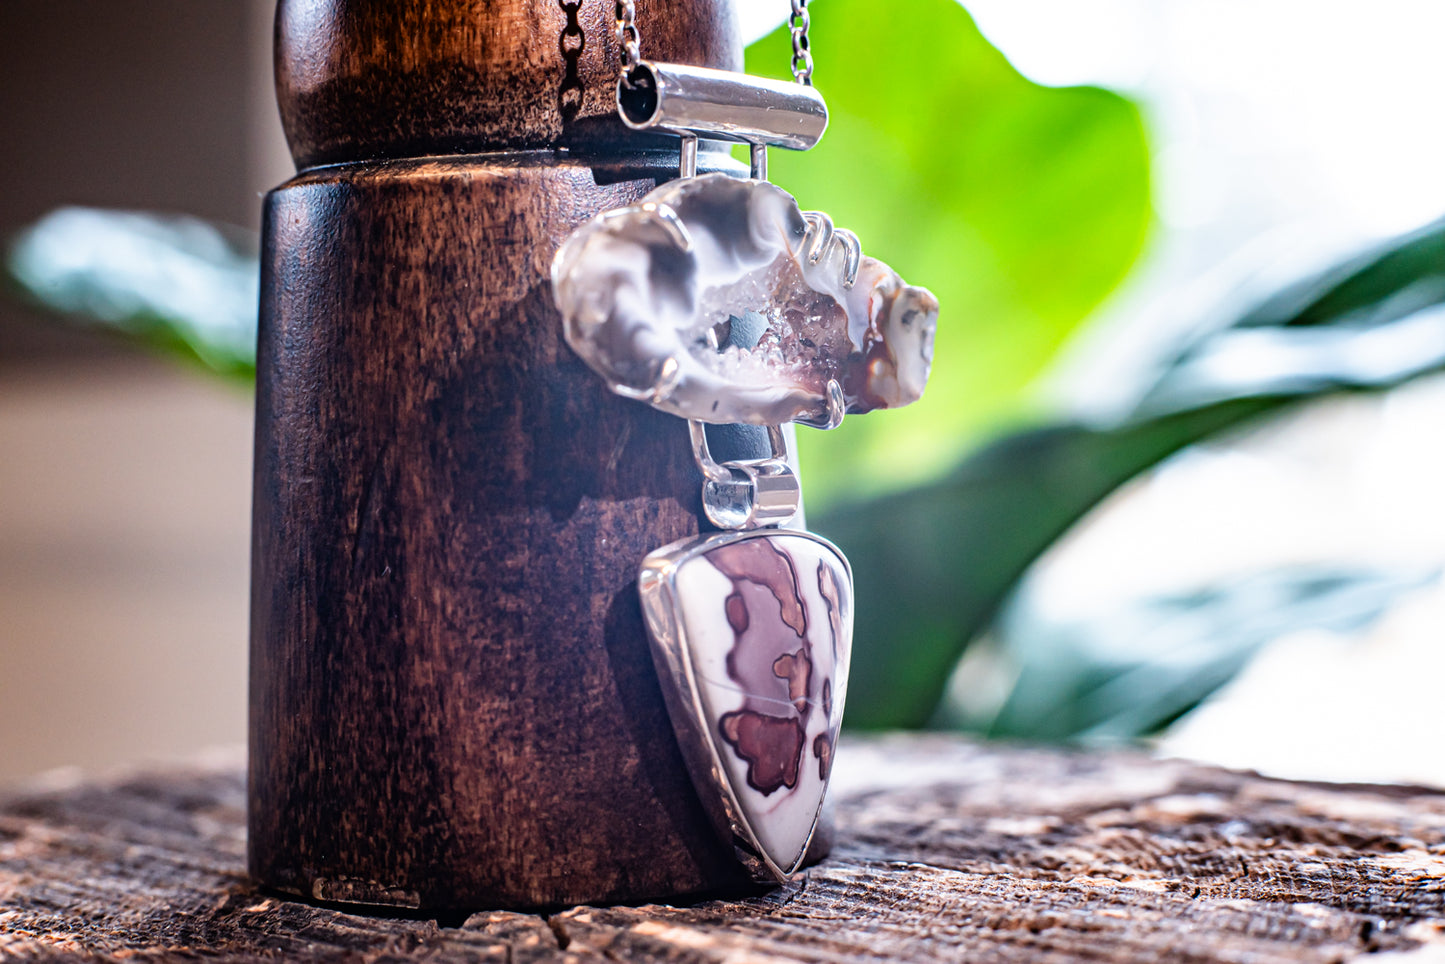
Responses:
[1176,479]
[124,479]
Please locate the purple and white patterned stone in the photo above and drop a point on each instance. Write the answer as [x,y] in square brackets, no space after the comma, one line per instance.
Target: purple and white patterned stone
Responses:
[717,299]
[765,621]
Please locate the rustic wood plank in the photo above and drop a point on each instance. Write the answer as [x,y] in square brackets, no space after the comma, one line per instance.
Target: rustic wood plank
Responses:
[946,851]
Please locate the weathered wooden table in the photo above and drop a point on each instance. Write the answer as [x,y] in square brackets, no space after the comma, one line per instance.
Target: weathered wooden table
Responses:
[946,851]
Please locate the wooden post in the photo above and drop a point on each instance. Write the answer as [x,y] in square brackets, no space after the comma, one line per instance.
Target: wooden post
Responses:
[452,702]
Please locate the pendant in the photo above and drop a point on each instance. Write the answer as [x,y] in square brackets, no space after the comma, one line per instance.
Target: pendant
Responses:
[717,299]
[751,633]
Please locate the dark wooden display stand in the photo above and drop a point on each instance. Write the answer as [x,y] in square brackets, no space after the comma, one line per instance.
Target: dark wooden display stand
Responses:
[946,852]
[453,705]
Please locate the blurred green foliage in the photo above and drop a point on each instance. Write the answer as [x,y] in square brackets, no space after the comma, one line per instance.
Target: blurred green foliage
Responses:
[1138,668]
[176,284]
[1021,207]
[935,564]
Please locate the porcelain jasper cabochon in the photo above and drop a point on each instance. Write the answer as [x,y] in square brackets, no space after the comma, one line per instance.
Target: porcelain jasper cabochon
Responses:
[752,630]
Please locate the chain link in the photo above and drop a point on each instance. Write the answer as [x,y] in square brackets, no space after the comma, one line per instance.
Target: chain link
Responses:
[802,52]
[570,44]
[627,36]
[630,40]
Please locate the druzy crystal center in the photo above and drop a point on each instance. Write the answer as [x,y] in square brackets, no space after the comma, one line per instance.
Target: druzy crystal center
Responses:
[649,294]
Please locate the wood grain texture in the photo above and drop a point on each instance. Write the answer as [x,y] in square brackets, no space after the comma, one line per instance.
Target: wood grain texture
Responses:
[360,79]
[947,851]
[452,700]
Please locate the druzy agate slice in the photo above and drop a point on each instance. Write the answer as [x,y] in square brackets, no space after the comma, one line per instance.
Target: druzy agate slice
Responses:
[751,633]
[717,299]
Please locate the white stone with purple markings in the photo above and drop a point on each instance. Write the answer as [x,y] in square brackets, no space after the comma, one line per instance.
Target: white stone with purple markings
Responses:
[768,623]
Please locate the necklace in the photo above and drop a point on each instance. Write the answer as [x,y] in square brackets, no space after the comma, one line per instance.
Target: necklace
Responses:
[717,299]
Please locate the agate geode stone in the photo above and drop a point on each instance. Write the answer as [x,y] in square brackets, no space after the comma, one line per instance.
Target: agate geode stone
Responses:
[717,299]
[751,633]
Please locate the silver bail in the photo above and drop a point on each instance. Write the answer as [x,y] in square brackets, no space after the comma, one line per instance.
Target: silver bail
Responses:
[687,156]
[721,105]
[748,493]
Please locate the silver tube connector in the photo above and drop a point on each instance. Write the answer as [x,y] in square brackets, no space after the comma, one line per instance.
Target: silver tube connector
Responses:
[721,105]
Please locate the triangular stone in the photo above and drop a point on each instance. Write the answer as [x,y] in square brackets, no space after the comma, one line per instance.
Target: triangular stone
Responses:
[754,632]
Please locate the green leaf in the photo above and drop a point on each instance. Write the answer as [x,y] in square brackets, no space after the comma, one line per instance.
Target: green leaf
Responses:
[177,284]
[1137,669]
[1020,206]
[933,566]
[1374,320]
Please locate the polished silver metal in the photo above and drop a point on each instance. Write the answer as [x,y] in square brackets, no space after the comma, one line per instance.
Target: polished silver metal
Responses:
[661,214]
[833,415]
[721,105]
[672,654]
[822,234]
[852,254]
[748,493]
[629,40]
[802,48]
[667,379]
[758,494]
[820,237]
[687,156]
[753,498]
[697,432]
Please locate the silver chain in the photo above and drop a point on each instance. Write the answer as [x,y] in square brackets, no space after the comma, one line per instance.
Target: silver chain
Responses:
[627,36]
[802,53]
[630,40]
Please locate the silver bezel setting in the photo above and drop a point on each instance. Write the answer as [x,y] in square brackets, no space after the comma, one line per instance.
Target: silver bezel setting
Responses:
[674,659]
